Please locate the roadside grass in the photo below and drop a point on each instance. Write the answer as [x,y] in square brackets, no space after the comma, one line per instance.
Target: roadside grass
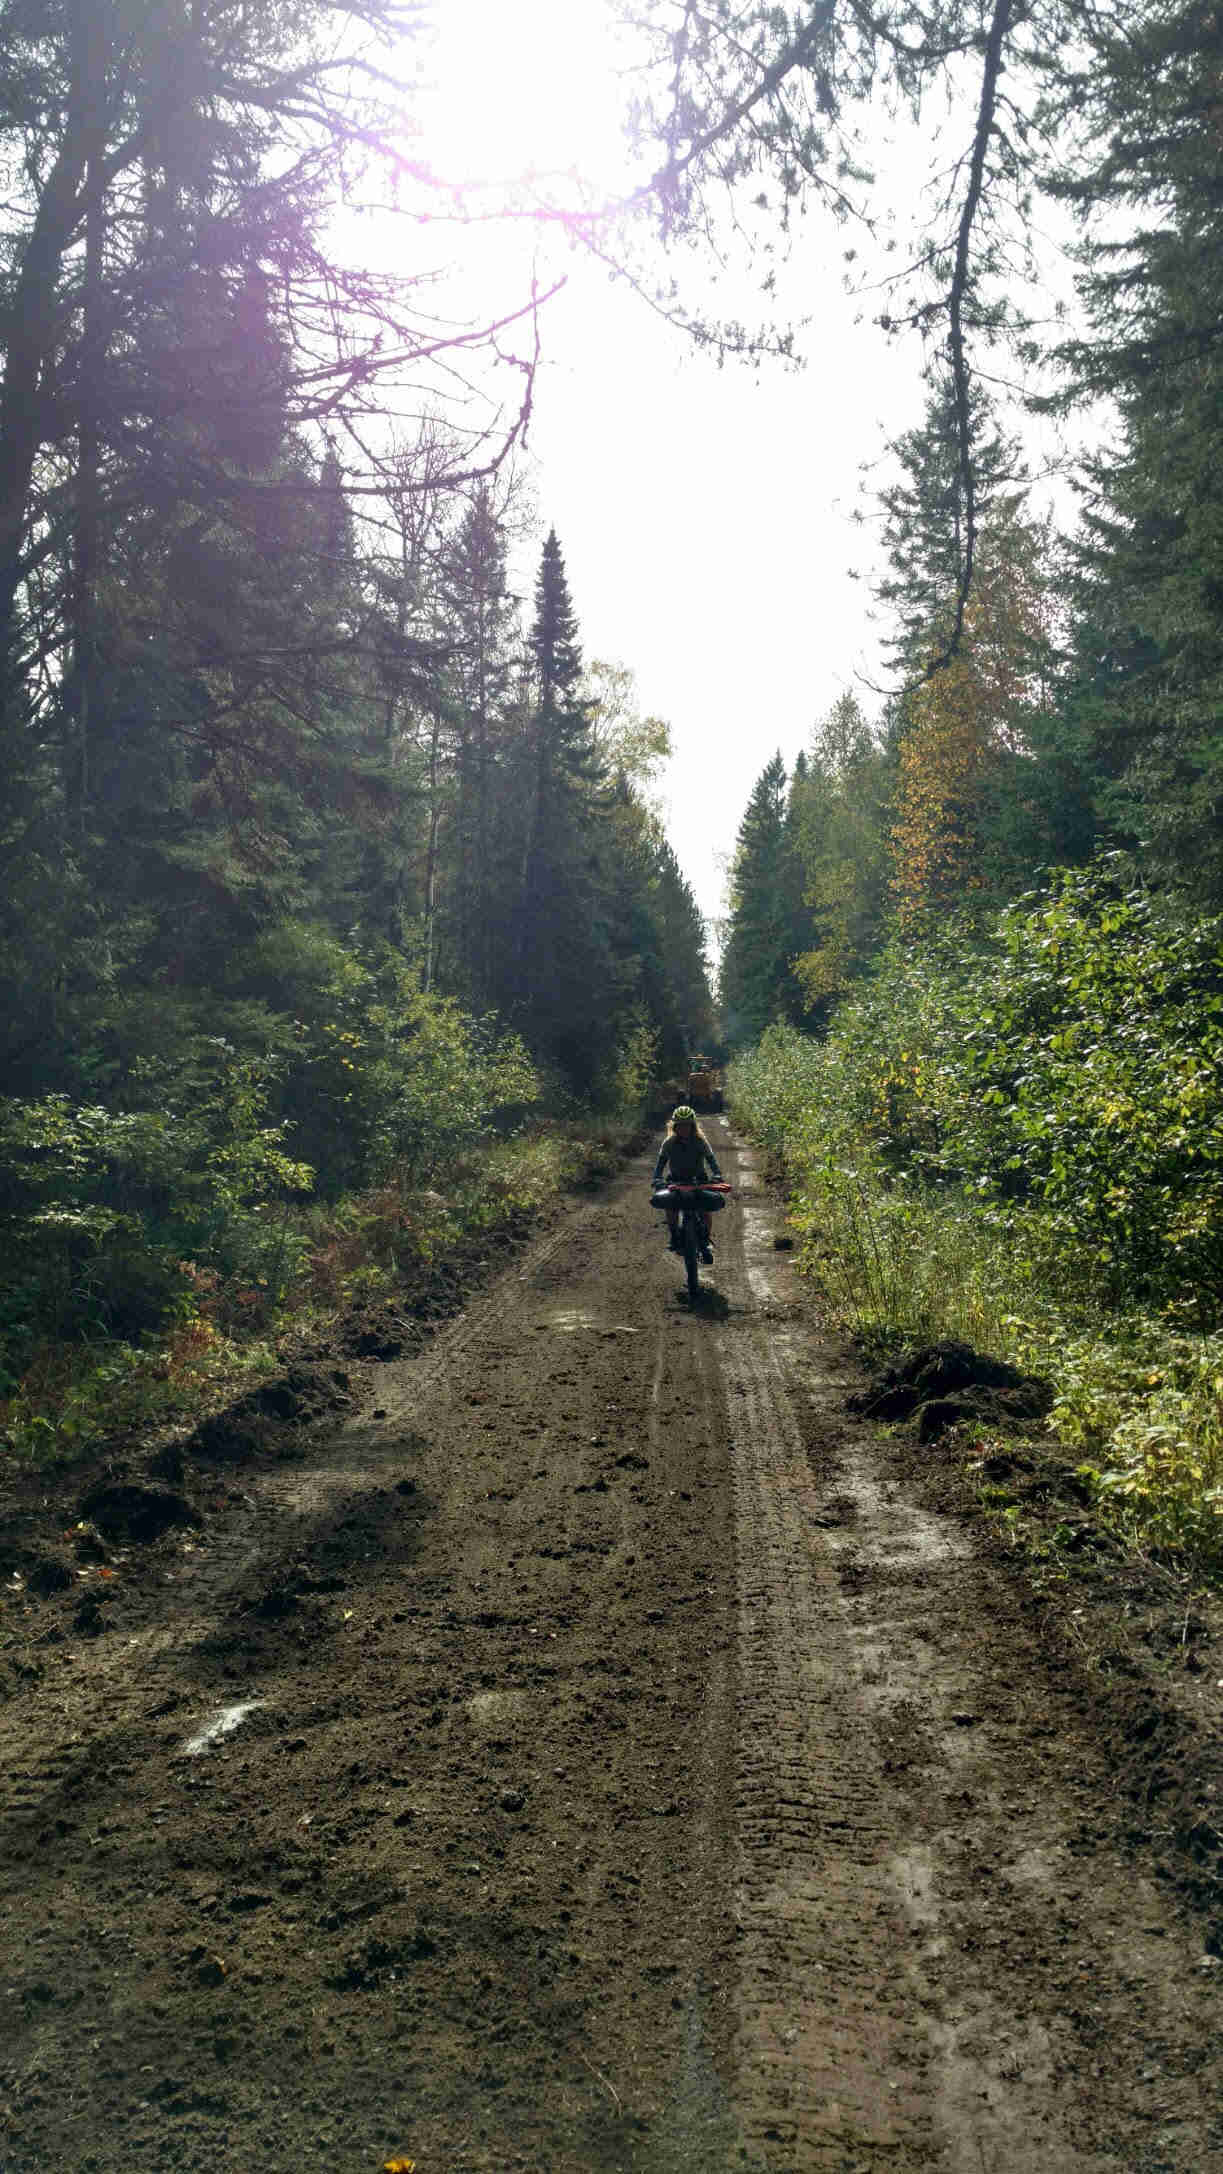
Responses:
[75,1397]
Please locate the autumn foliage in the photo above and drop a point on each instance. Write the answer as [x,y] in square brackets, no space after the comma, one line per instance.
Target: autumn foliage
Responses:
[967,727]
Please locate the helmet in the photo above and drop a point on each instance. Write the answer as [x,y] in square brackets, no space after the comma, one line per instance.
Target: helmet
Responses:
[683,1114]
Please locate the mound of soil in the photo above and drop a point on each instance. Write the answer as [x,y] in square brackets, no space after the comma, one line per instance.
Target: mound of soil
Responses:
[268,1418]
[942,1384]
[130,1514]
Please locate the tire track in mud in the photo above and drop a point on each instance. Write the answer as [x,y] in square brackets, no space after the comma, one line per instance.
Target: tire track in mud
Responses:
[642,1805]
[821,2070]
[485,1775]
[899,1868]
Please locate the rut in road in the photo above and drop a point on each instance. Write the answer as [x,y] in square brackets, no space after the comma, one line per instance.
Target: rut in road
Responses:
[601,1756]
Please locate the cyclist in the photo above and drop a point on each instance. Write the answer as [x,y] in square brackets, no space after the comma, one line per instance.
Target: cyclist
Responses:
[684,1154]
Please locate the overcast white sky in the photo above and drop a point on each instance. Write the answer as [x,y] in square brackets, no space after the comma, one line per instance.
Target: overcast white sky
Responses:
[705,517]
[705,514]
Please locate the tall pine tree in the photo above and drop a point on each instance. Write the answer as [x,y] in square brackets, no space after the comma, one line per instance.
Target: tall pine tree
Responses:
[756,983]
[566,991]
[1148,695]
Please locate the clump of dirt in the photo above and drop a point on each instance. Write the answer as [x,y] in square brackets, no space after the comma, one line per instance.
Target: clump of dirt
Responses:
[130,1514]
[268,1419]
[942,1384]
[40,1570]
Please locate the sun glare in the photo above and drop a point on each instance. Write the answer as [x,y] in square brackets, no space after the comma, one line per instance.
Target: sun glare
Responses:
[524,89]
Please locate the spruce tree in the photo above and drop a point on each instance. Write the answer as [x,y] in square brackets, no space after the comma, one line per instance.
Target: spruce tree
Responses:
[843,817]
[1149,687]
[755,981]
[481,619]
[924,524]
[565,989]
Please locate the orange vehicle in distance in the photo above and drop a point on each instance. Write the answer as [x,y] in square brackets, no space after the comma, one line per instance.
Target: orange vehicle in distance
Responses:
[704,1084]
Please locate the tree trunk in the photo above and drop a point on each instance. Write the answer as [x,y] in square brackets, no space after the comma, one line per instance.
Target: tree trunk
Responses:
[83,667]
[29,340]
[435,818]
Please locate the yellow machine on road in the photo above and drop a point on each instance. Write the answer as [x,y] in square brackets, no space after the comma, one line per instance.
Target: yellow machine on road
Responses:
[704,1085]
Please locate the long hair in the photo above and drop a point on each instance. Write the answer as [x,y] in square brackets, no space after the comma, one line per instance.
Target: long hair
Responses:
[696,1128]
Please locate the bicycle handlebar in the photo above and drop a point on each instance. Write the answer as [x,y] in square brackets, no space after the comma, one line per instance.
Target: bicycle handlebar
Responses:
[699,1185]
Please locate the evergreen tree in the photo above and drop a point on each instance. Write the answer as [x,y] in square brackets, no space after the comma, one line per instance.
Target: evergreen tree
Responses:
[566,992]
[482,621]
[1149,686]
[687,1019]
[925,515]
[174,334]
[843,818]
[756,983]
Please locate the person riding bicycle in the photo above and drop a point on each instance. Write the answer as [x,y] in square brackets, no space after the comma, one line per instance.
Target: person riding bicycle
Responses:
[683,1155]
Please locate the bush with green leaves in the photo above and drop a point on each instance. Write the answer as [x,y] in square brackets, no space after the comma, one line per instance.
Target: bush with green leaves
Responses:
[337,1069]
[1065,1068]
[101,1207]
[636,1062]
[1090,1085]
[380,1074]
[1016,1135]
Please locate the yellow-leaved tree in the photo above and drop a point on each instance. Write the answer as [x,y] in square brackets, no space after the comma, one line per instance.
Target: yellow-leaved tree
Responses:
[964,749]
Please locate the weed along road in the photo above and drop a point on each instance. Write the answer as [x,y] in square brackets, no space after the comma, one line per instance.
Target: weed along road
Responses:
[599,1750]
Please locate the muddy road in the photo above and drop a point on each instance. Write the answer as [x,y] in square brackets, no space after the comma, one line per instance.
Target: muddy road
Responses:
[601,1752]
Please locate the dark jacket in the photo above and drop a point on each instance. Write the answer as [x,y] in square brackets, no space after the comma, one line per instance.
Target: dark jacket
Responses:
[685,1159]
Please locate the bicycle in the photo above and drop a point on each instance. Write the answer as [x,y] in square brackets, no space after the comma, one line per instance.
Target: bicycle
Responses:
[695,1203]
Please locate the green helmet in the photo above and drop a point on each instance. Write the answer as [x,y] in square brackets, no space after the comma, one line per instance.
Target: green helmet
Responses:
[683,1114]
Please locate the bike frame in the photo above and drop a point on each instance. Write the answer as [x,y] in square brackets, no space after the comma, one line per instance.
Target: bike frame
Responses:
[692,1226]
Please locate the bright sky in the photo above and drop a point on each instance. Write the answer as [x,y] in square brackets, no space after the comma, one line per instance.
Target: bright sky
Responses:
[705,514]
[706,520]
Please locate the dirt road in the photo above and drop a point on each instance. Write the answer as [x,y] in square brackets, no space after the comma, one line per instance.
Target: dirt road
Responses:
[603,1753]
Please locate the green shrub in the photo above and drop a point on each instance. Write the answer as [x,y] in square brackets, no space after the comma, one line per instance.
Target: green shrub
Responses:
[1016,1136]
[100,1208]
[381,1075]
[1089,1082]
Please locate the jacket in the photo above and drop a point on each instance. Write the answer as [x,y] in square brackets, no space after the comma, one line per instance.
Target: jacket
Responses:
[685,1159]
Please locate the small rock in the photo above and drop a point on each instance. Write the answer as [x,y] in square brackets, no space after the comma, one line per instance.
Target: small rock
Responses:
[512,1800]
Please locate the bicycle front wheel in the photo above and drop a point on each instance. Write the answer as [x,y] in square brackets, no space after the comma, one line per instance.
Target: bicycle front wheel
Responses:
[691,1254]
